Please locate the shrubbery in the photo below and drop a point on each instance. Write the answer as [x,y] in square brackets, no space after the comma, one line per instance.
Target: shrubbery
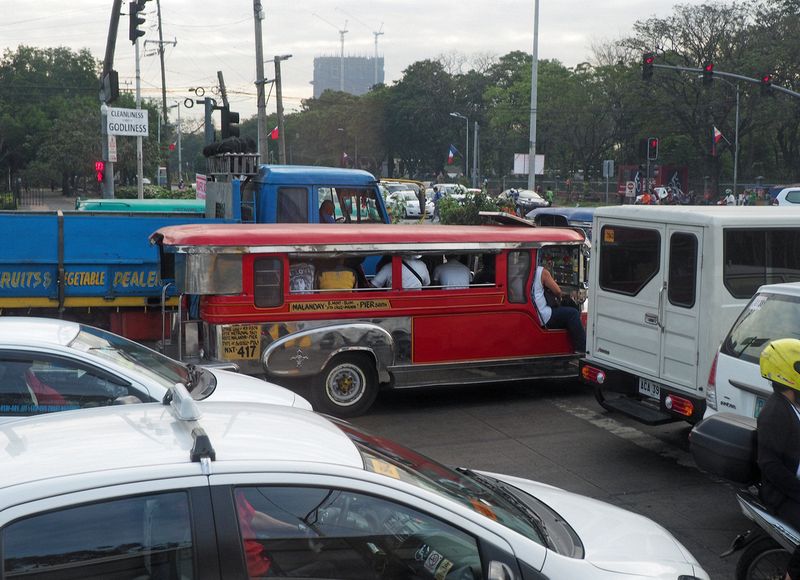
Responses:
[466,212]
[153,192]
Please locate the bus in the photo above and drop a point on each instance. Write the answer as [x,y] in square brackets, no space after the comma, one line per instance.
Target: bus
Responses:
[264,308]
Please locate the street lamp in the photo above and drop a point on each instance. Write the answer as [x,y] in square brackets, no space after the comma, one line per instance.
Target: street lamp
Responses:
[279,101]
[466,150]
[180,160]
[736,132]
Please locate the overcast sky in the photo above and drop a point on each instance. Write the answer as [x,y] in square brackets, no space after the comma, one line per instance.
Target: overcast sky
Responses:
[219,36]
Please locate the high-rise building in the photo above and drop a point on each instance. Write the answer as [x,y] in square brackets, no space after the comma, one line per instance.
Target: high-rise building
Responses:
[359,74]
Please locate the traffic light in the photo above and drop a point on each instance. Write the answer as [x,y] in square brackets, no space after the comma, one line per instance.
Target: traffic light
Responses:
[100,171]
[647,65]
[652,148]
[708,73]
[766,84]
[135,20]
[230,123]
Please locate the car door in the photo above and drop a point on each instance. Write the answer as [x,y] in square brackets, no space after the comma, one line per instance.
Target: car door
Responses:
[150,529]
[32,383]
[321,527]
[629,269]
[680,307]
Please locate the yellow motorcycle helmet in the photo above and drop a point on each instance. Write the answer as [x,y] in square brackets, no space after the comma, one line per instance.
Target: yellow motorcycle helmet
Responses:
[780,362]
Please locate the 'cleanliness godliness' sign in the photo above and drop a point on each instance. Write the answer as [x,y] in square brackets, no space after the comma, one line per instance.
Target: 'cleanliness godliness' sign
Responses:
[132,122]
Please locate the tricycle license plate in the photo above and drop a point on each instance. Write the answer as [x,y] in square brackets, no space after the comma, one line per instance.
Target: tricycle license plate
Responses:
[649,389]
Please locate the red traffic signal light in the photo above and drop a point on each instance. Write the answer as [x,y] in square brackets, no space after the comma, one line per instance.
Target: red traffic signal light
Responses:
[766,84]
[708,73]
[652,148]
[648,58]
[100,171]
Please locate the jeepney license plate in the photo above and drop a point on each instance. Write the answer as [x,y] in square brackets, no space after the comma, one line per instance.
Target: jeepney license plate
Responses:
[759,405]
[649,389]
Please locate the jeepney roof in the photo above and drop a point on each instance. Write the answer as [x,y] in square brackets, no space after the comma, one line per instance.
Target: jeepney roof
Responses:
[297,237]
[704,215]
[311,175]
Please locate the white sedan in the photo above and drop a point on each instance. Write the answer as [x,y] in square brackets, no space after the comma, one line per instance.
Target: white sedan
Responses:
[404,203]
[49,365]
[221,490]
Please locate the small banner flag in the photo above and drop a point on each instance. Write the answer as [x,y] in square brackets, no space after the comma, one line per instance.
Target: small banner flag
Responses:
[451,154]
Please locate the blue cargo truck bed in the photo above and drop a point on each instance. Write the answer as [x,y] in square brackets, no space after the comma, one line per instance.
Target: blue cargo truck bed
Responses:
[81,259]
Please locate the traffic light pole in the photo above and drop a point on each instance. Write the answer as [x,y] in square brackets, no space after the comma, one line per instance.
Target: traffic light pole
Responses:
[139,154]
[727,75]
[105,97]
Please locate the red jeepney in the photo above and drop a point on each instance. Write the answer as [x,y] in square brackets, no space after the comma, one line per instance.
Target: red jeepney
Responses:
[264,306]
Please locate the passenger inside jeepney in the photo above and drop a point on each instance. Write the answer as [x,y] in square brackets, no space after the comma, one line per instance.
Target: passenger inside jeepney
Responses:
[336,275]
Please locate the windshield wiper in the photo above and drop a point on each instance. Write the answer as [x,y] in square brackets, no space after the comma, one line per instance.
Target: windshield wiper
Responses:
[502,490]
[748,342]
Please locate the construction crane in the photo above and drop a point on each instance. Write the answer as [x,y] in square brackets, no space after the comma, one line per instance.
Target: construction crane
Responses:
[342,32]
[375,33]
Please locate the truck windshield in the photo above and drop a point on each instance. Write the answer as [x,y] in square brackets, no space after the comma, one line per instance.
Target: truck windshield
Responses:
[767,317]
[129,354]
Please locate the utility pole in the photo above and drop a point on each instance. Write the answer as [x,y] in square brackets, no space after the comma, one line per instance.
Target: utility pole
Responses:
[342,32]
[163,89]
[258,16]
[139,154]
[475,154]
[534,98]
[279,100]
[377,33]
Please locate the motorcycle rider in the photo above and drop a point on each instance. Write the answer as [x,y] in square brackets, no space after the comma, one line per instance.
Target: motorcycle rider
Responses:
[779,437]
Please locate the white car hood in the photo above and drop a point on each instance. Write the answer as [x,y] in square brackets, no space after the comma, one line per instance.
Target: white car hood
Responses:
[614,539]
[234,387]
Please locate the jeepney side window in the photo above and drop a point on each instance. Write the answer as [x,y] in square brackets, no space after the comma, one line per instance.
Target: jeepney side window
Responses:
[629,258]
[519,268]
[682,281]
[292,205]
[267,282]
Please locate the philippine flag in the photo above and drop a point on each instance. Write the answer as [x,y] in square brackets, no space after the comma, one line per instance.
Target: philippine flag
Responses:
[451,154]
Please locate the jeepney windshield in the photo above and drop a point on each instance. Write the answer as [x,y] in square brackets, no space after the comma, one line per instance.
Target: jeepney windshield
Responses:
[352,204]
[128,354]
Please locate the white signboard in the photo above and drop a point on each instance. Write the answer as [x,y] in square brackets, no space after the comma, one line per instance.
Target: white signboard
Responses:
[521,164]
[131,122]
[112,148]
[200,183]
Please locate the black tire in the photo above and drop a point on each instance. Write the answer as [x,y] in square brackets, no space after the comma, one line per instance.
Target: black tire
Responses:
[346,387]
[601,398]
[762,559]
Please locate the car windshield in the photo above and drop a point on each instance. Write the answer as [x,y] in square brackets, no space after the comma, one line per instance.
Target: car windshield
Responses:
[131,355]
[767,317]
[486,496]
[409,195]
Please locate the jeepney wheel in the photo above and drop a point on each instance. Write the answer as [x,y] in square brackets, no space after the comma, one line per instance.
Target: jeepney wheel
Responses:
[347,387]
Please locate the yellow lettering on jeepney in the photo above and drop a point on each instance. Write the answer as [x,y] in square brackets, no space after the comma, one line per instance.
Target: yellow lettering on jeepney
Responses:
[339,305]
[5,279]
[241,341]
[152,279]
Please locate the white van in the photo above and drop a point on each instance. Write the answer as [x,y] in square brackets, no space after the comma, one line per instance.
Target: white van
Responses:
[735,384]
[666,284]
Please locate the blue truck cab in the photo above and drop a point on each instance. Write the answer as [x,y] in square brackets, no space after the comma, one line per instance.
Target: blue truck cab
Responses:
[292,194]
